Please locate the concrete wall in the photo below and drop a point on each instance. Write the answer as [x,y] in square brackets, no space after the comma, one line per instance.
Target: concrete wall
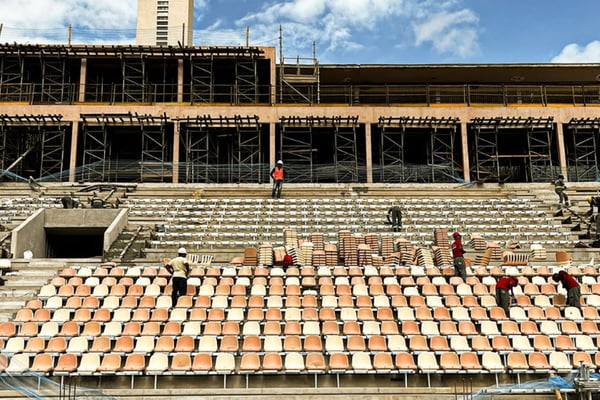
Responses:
[30,235]
[115,228]
[87,217]
[272,114]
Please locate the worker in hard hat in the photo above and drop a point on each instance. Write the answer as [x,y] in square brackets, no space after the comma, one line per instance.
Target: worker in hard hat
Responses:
[593,201]
[179,269]
[460,267]
[278,175]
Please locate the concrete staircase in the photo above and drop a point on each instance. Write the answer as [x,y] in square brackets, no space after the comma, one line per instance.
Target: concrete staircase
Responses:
[23,282]
[129,246]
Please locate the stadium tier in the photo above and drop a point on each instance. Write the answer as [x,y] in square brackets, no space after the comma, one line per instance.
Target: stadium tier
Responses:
[359,300]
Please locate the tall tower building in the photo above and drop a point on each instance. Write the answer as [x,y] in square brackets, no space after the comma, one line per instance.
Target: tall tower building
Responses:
[165,22]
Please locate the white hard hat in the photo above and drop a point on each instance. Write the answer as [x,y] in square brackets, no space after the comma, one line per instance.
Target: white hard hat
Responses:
[279,162]
[182,250]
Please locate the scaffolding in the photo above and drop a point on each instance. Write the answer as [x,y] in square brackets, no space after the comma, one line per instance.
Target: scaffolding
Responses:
[222,149]
[537,153]
[298,147]
[133,74]
[32,145]
[98,162]
[439,151]
[201,73]
[11,79]
[581,139]
[299,82]
[154,167]
[55,85]
[134,79]
[246,80]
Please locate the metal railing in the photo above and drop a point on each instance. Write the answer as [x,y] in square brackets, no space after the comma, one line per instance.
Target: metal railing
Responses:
[309,94]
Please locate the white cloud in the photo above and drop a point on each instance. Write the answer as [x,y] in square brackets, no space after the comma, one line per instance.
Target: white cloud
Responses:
[337,26]
[449,32]
[349,25]
[200,7]
[574,53]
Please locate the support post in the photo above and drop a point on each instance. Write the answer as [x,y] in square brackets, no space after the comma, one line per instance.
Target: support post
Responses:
[369,153]
[465,152]
[272,150]
[82,80]
[73,152]
[70,32]
[560,144]
[176,136]
[180,80]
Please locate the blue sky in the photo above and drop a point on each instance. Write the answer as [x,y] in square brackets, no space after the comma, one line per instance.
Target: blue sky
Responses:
[345,31]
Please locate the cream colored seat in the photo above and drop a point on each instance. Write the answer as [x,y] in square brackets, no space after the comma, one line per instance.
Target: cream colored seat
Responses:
[18,364]
[272,344]
[158,363]
[207,344]
[78,345]
[396,343]
[89,363]
[144,344]
[361,362]
[311,328]
[334,344]
[294,362]
[225,363]
[191,328]
[251,328]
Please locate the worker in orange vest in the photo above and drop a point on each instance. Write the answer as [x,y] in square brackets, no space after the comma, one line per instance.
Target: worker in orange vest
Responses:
[278,175]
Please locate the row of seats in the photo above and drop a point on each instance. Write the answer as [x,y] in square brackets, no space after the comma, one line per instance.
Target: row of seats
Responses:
[191,327]
[208,342]
[291,286]
[241,312]
[294,362]
[357,284]
[425,307]
[446,203]
[586,272]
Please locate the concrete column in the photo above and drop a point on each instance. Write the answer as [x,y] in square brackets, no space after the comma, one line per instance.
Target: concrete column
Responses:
[465,152]
[369,153]
[82,80]
[176,135]
[180,80]
[269,54]
[272,150]
[562,154]
[73,151]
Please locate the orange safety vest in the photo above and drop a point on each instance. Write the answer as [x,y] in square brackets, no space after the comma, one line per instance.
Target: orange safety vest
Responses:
[278,174]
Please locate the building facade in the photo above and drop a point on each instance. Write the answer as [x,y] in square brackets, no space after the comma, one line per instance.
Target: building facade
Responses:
[165,22]
[225,114]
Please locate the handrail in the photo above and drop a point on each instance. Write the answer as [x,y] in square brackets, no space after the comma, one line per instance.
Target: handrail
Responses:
[305,93]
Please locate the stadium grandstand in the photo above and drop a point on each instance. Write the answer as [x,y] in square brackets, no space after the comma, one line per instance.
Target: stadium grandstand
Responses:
[116,156]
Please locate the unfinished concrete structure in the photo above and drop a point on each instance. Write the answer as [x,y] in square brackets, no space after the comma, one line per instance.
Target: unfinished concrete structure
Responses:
[225,114]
